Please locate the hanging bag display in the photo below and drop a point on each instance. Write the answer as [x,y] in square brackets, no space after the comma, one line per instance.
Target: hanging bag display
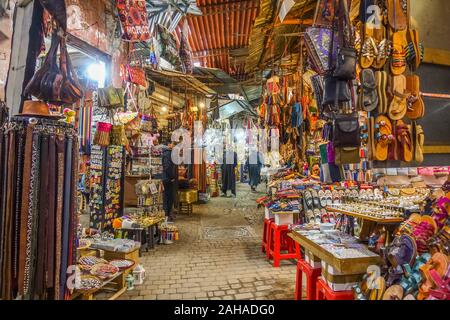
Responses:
[346,131]
[53,83]
[134,20]
[347,56]
[318,42]
[111,98]
[335,91]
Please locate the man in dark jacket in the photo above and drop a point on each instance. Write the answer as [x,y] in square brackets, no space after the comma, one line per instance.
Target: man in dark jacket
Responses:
[228,173]
[254,165]
[169,181]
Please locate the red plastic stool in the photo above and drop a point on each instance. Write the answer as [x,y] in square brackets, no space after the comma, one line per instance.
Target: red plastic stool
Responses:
[324,292]
[311,278]
[279,241]
[266,231]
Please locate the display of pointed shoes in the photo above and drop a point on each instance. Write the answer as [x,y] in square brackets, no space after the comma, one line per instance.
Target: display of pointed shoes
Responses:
[398,105]
[415,103]
[368,97]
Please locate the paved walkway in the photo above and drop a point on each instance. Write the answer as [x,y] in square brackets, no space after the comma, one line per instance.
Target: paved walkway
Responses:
[217,257]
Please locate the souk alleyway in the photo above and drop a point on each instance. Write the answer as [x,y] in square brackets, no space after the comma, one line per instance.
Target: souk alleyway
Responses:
[217,257]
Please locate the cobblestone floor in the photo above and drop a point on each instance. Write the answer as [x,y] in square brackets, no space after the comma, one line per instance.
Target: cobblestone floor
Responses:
[217,257]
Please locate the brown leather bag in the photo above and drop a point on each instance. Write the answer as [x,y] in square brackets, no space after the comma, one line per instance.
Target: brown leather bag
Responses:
[56,83]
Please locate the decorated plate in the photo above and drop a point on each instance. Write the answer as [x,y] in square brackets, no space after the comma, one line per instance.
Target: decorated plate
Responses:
[104,270]
[122,264]
[89,283]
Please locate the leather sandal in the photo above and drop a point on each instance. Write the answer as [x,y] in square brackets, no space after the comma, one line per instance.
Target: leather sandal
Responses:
[414,50]
[368,48]
[419,142]
[398,61]
[404,141]
[383,137]
[398,105]
[394,292]
[415,103]
[383,48]
[368,96]
[396,15]
[382,79]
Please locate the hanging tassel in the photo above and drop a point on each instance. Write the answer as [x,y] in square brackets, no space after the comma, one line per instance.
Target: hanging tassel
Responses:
[103,134]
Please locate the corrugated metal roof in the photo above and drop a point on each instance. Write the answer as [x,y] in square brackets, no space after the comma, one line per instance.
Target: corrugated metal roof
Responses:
[219,37]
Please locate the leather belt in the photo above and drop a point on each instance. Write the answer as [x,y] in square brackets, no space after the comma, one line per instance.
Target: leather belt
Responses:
[8,214]
[24,208]
[59,211]
[50,279]
[66,215]
[43,214]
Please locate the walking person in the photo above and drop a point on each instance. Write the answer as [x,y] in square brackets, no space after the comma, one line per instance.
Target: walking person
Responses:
[228,173]
[254,165]
[169,181]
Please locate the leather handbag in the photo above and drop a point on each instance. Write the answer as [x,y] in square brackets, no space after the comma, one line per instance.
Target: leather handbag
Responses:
[319,42]
[134,20]
[335,91]
[111,98]
[347,155]
[346,64]
[347,57]
[71,89]
[56,83]
[346,131]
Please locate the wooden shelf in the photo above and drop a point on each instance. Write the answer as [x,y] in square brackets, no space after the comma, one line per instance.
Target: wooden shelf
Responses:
[346,266]
[366,217]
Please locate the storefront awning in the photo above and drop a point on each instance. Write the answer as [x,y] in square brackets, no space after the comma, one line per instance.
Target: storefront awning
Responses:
[179,82]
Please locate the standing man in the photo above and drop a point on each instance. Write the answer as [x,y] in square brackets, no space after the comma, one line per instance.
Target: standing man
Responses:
[228,172]
[254,165]
[169,181]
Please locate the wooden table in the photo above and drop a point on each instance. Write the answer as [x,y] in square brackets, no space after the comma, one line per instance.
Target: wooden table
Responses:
[150,232]
[346,266]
